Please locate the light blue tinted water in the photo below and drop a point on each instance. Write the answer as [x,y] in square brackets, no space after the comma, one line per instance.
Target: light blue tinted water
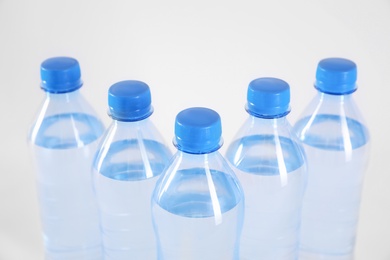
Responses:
[332,132]
[197,238]
[70,130]
[125,215]
[186,199]
[158,156]
[199,218]
[67,204]
[256,154]
[273,180]
[337,154]
[124,193]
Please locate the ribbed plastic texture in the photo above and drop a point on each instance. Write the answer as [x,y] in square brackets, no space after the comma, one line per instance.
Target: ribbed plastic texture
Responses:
[126,169]
[269,162]
[336,143]
[197,205]
[63,140]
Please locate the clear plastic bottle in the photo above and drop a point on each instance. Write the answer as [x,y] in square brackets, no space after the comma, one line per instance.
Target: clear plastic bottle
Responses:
[269,162]
[63,140]
[197,205]
[336,144]
[130,159]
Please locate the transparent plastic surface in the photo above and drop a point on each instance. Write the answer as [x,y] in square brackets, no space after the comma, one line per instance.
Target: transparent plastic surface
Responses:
[126,169]
[63,141]
[337,145]
[197,209]
[269,163]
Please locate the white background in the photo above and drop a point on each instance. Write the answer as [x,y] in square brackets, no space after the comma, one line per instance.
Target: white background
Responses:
[191,53]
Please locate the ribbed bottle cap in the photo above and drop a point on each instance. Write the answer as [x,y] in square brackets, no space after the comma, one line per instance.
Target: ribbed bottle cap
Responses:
[60,75]
[268,98]
[129,100]
[198,131]
[336,76]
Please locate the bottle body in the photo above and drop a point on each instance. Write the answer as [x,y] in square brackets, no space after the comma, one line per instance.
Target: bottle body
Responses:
[270,166]
[197,209]
[126,169]
[336,143]
[63,141]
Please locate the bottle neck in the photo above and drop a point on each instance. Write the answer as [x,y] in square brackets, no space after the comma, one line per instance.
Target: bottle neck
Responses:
[62,103]
[255,126]
[323,103]
[267,122]
[198,158]
[63,96]
[336,99]
[143,129]
[130,124]
[213,160]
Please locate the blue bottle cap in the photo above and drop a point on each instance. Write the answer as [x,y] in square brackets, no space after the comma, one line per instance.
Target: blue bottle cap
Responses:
[268,98]
[129,100]
[336,76]
[60,75]
[198,131]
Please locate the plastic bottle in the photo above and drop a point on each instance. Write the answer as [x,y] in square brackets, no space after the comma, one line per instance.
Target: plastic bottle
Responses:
[126,169]
[63,140]
[197,205]
[269,162]
[336,144]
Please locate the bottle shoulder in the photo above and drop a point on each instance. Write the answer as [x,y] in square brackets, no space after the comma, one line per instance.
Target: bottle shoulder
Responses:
[259,126]
[196,184]
[266,154]
[260,148]
[132,135]
[132,151]
[341,105]
[332,132]
[332,122]
[65,121]
[72,102]
[65,130]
